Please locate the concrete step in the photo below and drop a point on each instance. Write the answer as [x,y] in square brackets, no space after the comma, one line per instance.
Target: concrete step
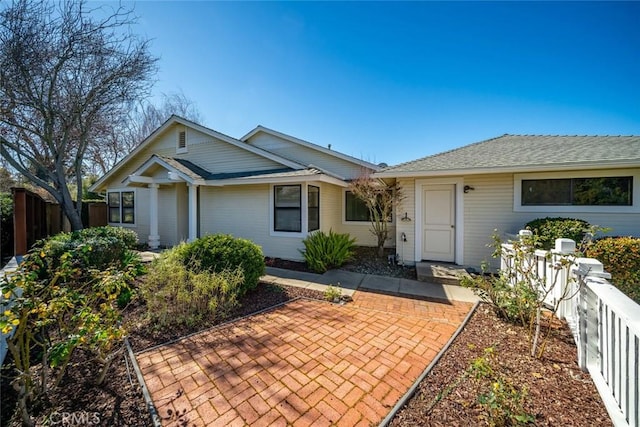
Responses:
[442,273]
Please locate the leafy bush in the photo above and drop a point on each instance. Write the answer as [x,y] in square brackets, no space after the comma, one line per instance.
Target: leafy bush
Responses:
[182,294]
[515,304]
[66,296]
[222,252]
[549,229]
[98,248]
[519,294]
[326,251]
[620,257]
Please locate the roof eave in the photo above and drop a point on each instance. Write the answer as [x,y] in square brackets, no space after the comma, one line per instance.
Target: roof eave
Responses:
[512,169]
[276,180]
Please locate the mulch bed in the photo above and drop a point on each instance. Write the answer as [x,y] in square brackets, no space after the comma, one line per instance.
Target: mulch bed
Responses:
[365,260]
[557,393]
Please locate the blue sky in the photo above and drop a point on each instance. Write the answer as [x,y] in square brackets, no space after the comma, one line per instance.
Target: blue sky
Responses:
[391,82]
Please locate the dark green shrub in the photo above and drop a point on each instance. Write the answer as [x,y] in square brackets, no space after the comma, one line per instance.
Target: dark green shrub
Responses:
[223,252]
[183,294]
[323,251]
[549,229]
[620,257]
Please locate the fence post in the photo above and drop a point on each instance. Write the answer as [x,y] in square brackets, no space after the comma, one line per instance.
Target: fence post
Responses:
[562,248]
[19,221]
[588,311]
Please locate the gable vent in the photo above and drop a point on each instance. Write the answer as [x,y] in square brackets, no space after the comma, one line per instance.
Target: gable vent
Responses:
[182,139]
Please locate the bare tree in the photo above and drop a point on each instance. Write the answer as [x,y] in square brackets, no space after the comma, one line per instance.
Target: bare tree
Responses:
[380,199]
[123,134]
[66,72]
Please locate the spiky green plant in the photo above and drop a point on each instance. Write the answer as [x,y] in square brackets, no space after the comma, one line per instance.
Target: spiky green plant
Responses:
[324,251]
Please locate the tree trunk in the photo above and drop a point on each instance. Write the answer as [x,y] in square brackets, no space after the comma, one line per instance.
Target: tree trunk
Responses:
[73,216]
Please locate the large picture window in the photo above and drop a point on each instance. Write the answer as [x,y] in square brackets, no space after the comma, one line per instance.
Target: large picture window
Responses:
[121,206]
[287,215]
[313,207]
[600,191]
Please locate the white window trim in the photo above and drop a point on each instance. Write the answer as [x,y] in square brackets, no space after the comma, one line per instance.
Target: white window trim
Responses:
[186,141]
[304,208]
[135,207]
[517,191]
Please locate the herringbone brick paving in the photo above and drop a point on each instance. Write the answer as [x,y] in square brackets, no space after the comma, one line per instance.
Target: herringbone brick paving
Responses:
[304,363]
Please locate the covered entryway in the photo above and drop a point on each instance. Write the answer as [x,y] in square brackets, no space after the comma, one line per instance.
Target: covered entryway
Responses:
[438,228]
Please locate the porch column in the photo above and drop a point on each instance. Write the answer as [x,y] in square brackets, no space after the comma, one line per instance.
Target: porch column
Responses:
[193,212]
[154,237]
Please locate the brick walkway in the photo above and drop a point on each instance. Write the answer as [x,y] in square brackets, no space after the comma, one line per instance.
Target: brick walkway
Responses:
[304,363]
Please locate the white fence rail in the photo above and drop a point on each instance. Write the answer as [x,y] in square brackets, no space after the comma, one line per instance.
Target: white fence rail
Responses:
[605,324]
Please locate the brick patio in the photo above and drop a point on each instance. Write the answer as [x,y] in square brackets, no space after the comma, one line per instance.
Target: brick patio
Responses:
[304,363]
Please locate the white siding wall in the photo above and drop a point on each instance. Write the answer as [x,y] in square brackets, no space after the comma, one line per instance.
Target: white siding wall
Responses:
[304,155]
[330,207]
[407,205]
[490,207]
[243,211]
[213,155]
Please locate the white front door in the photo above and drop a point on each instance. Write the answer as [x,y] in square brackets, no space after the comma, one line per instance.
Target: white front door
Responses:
[438,222]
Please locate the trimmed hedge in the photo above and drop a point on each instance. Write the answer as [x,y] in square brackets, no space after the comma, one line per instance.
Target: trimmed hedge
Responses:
[620,257]
[223,252]
[549,229]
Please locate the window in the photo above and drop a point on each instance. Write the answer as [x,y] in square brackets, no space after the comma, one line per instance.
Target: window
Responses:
[121,207]
[600,191]
[355,208]
[287,212]
[313,208]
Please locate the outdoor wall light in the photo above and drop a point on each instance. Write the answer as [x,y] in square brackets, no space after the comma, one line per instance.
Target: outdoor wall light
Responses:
[467,188]
[405,218]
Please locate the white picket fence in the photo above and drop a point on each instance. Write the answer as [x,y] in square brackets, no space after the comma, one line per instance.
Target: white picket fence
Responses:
[605,324]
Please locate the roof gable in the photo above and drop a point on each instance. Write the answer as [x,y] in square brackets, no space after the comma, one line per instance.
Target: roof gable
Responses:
[309,145]
[527,153]
[149,142]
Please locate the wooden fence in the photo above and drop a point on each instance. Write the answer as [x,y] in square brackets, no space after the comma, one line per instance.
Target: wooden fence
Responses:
[605,323]
[35,218]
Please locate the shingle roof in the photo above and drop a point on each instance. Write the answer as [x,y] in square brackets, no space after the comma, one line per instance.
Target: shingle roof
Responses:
[186,167]
[197,173]
[529,151]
